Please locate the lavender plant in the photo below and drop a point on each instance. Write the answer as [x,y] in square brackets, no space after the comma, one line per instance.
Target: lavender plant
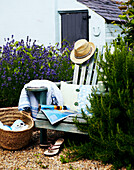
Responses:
[22,61]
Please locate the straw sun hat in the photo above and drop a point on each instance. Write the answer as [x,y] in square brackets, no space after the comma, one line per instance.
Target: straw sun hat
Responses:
[83,50]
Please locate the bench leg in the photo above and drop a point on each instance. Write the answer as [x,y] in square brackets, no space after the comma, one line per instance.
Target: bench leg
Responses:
[43,136]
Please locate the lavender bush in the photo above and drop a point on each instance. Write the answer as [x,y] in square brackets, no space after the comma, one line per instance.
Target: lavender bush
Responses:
[22,61]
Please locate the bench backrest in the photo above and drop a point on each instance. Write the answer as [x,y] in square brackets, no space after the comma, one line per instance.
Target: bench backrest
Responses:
[86,73]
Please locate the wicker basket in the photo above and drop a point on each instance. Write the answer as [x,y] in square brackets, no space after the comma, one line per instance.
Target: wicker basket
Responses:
[14,140]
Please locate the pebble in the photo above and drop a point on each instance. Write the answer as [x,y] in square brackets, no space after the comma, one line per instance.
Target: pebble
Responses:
[32,158]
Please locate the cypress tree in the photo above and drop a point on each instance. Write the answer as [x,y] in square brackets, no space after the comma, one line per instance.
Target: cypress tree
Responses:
[111,128]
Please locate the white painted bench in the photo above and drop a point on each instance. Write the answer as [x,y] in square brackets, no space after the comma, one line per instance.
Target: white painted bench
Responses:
[83,74]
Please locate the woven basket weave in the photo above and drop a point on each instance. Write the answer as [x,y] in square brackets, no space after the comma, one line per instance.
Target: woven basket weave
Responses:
[14,140]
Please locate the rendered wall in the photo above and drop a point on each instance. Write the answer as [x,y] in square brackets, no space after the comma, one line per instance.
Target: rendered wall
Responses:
[41,21]
[97,29]
[33,18]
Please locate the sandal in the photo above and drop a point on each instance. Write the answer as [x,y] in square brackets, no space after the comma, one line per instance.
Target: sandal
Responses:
[54,149]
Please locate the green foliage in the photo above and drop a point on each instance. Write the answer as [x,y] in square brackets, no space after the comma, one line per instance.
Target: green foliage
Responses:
[111,128]
[128,26]
[64,159]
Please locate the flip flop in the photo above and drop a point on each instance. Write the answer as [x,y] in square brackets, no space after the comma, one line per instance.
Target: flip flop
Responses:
[54,149]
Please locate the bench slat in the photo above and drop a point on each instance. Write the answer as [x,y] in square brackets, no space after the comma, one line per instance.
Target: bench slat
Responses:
[89,72]
[83,74]
[75,76]
[60,127]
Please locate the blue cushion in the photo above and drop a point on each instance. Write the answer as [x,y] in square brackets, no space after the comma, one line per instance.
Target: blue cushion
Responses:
[85,91]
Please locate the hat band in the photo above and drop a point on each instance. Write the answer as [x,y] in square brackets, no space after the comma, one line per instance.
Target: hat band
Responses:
[84,55]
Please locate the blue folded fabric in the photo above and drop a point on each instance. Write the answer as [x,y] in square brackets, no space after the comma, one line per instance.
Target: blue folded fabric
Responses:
[18,125]
[28,100]
[4,127]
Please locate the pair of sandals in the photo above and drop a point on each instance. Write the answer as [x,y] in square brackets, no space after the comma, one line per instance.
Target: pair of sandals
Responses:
[53,149]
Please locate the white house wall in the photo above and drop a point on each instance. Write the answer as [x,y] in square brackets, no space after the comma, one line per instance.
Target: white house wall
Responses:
[33,18]
[97,29]
[41,21]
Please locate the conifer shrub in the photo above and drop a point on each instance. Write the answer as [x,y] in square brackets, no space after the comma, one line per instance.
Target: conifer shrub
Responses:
[111,128]
[128,25]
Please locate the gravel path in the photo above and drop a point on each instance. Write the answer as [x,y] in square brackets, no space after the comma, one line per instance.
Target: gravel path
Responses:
[32,158]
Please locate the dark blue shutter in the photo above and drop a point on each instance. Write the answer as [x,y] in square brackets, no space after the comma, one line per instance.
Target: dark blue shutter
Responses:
[74,25]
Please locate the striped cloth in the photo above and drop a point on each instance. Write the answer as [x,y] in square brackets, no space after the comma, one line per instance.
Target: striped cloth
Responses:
[27,99]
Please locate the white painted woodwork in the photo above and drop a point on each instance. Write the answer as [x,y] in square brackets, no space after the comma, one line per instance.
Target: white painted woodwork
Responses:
[75,76]
[83,74]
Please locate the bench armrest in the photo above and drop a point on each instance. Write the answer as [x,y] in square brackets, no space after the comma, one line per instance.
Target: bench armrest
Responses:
[36,89]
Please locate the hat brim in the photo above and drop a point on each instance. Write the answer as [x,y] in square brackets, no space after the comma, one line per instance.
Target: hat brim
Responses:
[82,60]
